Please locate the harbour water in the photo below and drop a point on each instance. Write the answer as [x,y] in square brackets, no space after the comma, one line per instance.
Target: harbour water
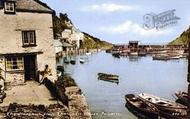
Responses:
[136,75]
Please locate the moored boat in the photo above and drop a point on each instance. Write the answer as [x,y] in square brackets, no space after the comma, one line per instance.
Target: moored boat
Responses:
[167,109]
[182,98]
[82,60]
[142,53]
[88,53]
[66,60]
[139,108]
[174,57]
[104,76]
[160,57]
[134,53]
[73,61]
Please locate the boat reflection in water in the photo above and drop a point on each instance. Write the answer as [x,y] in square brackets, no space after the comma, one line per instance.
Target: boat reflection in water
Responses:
[112,81]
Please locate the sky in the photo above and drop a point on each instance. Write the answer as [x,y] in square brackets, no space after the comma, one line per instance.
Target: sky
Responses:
[120,21]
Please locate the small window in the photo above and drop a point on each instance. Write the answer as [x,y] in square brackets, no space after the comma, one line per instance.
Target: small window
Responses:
[14,63]
[28,38]
[9,7]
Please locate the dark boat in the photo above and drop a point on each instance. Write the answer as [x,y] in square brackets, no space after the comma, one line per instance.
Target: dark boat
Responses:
[73,61]
[112,81]
[116,55]
[182,98]
[104,76]
[160,57]
[108,51]
[167,109]
[139,108]
[142,54]
[82,60]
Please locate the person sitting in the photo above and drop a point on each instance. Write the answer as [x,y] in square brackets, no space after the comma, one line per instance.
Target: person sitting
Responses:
[45,74]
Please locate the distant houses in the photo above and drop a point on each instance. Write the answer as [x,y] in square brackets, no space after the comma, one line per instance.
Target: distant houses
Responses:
[58,46]
[26,40]
[73,37]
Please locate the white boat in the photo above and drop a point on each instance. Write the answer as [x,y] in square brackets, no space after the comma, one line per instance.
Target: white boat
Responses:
[168,109]
[160,101]
[174,57]
[134,53]
[82,60]
[88,53]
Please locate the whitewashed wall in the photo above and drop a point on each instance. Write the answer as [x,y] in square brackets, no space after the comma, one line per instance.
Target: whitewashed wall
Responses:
[11,36]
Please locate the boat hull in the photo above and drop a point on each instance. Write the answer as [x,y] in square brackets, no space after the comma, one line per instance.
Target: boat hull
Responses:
[182,98]
[167,109]
[104,76]
[73,62]
[144,111]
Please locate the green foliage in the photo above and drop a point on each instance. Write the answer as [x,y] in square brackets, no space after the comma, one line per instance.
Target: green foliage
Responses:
[91,42]
[182,39]
[59,23]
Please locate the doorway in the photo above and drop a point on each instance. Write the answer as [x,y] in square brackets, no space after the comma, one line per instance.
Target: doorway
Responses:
[30,67]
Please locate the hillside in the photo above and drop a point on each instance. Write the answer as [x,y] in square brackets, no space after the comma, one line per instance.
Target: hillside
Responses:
[90,42]
[182,39]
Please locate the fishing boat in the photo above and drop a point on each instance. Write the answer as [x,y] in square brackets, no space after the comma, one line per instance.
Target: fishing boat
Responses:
[82,60]
[134,53]
[116,55]
[73,61]
[167,109]
[139,108]
[160,57]
[182,98]
[174,57]
[104,76]
[66,60]
[141,53]
[88,53]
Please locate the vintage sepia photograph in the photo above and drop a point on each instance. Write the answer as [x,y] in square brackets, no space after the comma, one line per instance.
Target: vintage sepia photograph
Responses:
[94,59]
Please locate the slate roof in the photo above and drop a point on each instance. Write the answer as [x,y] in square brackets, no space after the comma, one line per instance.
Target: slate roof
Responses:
[30,6]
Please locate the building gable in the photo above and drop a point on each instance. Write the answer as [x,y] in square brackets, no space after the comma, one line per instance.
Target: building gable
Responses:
[29,6]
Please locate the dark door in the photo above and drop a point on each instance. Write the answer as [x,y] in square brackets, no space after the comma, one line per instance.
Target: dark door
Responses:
[30,67]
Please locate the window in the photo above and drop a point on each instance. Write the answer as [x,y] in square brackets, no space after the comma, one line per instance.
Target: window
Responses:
[14,63]
[9,7]
[28,38]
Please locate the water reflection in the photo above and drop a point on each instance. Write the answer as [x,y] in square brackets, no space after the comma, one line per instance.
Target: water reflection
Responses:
[138,114]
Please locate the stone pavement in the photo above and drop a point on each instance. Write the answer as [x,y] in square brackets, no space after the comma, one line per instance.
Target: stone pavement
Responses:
[31,93]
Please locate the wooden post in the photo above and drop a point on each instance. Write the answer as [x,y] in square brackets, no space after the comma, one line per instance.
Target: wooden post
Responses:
[188,75]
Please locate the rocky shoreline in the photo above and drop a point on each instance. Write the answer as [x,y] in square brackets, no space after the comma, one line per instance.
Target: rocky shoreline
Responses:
[77,104]
[78,107]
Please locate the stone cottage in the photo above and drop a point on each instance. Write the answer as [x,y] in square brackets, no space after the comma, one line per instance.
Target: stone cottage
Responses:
[26,40]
